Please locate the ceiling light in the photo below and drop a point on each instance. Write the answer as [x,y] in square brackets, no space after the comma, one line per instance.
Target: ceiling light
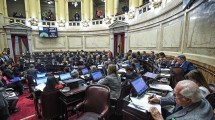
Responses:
[75,4]
[49,2]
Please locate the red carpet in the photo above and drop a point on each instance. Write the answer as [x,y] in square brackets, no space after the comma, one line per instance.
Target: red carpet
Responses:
[25,106]
[26,109]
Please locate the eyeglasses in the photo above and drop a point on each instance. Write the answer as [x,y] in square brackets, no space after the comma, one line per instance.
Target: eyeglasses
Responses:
[177,97]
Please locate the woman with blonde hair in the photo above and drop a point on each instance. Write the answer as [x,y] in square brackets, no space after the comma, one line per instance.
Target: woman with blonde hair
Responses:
[112,81]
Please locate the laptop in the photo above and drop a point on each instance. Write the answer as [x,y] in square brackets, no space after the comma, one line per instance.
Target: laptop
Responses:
[41,75]
[151,75]
[139,86]
[65,76]
[84,71]
[97,76]
[41,80]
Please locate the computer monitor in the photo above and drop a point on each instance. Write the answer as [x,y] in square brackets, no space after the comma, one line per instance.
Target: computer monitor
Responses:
[41,75]
[97,75]
[41,80]
[139,85]
[84,71]
[65,76]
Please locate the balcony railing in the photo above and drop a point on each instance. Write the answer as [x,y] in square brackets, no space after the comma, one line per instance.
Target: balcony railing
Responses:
[106,21]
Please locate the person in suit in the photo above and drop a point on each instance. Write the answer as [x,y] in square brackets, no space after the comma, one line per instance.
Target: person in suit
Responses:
[32,71]
[184,64]
[112,81]
[188,101]
[4,112]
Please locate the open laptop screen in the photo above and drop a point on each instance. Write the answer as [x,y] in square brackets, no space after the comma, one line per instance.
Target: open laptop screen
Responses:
[84,71]
[139,85]
[41,75]
[41,80]
[65,76]
[97,75]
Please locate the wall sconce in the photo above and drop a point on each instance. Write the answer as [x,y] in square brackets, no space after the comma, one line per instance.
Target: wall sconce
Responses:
[131,14]
[61,23]
[85,23]
[157,3]
[33,21]
[107,20]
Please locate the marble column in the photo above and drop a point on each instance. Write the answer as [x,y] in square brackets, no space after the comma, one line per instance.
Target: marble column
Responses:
[60,7]
[109,8]
[91,9]
[140,2]
[85,9]
[32,9]
[3,8]
[133,4]
[116,5]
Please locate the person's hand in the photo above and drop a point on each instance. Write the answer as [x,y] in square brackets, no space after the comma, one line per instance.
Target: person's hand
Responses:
[153,99]
[156,114]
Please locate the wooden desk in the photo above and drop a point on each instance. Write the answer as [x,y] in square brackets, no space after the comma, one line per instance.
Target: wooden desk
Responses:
[72,98]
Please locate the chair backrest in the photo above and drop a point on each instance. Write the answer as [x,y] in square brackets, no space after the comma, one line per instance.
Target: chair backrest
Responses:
[211,99]
[97,98]
[50,104]
[178,75]
[125,91]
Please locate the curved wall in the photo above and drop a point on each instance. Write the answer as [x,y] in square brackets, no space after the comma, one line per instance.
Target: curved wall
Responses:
[167,29]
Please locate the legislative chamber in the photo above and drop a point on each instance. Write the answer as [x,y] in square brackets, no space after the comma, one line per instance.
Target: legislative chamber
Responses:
[107,59]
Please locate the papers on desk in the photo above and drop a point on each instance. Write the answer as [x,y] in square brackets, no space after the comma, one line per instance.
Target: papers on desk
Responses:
[151,75]
[161,87]
[142,104]
[165,75]
[40,87]
[100,66]
[122,70]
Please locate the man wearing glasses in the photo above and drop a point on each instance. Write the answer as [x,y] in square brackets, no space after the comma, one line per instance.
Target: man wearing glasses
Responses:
[188,102]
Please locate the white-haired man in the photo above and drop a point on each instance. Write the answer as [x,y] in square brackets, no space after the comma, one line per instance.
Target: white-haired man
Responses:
[188,101]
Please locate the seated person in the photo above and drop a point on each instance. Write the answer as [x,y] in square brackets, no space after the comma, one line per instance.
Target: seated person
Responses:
[52,84]
[129,75]
[185,65]
[197,77]
[113,81]
[4,113]
[188,101]
[17,86]
[12,100]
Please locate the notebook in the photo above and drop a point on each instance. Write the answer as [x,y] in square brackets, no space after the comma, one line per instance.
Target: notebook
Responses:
[139,86]
[65,76]
[97,75]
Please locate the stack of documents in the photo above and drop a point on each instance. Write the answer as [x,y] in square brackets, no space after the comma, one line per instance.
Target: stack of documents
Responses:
[142,104]
[161,87]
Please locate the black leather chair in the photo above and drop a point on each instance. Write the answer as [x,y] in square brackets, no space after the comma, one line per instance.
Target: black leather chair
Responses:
[50,107]
[211,99]
[117,104]
[96,103]
[177,75]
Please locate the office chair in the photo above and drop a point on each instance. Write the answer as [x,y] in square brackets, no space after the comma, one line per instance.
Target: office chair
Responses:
[117,104]
[50,105]
[177,75]
[211,99]
[96,103]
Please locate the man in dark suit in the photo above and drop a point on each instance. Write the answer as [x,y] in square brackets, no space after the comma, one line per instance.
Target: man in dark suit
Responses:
[188,101]
[185,65]
[31,74]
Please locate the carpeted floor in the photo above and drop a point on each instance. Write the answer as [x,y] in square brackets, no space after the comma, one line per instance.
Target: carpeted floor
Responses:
[25,107]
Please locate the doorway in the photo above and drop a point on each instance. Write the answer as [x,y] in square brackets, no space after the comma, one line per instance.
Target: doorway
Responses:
[19,46]
[119,44]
